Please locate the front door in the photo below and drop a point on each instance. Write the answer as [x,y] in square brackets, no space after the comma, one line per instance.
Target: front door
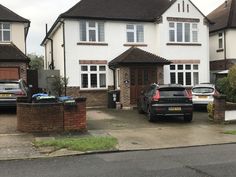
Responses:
[140,78]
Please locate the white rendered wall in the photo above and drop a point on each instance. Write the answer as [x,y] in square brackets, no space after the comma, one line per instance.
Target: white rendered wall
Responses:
[214,46]
[231,43]
[18,35]
[178,52]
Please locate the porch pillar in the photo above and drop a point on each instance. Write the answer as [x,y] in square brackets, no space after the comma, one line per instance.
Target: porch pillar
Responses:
[125,87]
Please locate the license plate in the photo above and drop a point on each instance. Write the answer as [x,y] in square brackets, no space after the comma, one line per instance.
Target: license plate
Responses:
[202,97]
[175,109]
[5,95]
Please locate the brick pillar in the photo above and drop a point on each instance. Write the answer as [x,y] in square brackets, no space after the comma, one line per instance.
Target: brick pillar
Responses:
[219,108]
[160,75]
[75,116]
[125,87]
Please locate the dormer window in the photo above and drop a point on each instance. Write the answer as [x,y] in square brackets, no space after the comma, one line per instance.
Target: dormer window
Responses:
[135,33]
[92,31]
[5,32]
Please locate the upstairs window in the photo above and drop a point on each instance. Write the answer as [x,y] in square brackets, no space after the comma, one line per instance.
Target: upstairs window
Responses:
[220,40]
[183,32]
[91,31]
[135,33]
[5,32]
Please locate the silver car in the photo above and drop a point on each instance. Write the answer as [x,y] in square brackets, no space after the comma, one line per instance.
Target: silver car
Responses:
[202,94]
[10,90]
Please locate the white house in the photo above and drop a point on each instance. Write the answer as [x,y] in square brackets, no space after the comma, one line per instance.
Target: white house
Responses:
[13,33]
[222,37]
[126,45]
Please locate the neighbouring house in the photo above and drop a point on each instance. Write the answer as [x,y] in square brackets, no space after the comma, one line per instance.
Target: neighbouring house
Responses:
[13,33]
[103,45]
[222,38]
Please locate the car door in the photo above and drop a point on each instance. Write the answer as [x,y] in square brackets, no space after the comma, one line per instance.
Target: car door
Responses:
[148,96]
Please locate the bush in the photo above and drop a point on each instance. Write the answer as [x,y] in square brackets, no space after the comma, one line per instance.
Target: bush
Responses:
[210,110]
[59,84]
[232,77]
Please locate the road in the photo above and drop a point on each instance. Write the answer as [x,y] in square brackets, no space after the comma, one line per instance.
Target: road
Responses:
[207,161]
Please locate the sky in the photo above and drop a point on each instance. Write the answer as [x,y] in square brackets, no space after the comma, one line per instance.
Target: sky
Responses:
[46,12]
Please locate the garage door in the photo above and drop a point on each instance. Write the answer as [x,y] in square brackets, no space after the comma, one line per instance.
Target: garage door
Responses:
[9,73]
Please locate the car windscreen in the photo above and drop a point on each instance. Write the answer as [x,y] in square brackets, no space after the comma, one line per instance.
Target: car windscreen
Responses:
[203,90]
[9,86]
[173,92]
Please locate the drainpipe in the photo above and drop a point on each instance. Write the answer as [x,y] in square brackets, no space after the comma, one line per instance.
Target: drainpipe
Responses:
[225,50]
[51,66]
[64,52]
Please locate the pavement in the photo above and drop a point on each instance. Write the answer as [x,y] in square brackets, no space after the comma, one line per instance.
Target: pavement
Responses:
[132,130]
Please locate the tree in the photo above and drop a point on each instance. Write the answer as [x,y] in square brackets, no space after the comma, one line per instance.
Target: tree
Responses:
[232,77]
[36,61]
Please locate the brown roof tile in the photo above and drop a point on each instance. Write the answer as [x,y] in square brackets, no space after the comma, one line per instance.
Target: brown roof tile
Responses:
[137,56]
[10,53]
[224,16]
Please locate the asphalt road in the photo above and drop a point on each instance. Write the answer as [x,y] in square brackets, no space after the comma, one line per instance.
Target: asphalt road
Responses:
[208,161]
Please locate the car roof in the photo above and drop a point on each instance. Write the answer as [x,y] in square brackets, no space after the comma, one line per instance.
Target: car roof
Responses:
[169,85]
[205,85]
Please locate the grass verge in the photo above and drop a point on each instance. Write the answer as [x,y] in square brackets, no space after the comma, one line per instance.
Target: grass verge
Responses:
[80,144]
[230,132]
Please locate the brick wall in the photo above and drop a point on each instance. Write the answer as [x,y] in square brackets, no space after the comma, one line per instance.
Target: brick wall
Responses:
[52,117]
[222,64]
[39,117]
[219,108]
[22,68]
[125,88]
[94,97]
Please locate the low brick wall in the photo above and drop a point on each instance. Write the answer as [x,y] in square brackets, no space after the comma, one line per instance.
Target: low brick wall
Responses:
[39,117]
[51,117]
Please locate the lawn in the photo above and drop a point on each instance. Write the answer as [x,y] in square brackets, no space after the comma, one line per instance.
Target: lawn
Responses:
[230,132]
[83,144]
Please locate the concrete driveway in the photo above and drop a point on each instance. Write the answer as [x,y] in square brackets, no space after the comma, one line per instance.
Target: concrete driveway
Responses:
[7,121]
[133,130]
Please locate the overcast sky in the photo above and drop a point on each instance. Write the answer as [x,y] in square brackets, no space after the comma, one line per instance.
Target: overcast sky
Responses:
[40,12]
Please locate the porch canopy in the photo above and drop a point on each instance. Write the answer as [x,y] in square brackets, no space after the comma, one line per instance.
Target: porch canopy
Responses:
[136,56]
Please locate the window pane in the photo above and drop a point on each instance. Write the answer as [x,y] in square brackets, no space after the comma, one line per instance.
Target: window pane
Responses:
[180,67]
[84,68]
[179,32]
[84,80]
[92,24]
[188,78]
[195,78]
[188,67]
[6,26]
[172,67]
[82,31]
[172,35]
[220,43]
[181,78]
[101,33]
[102,78]
[195,67]
[6,35]
[92,35]
[140,33]
[187,32]
[194,26]
[172,78]
[1,35]
[102,68]
[131,27]
[93,68]
[171,25]
[130,36]
[195,36]
[93,81]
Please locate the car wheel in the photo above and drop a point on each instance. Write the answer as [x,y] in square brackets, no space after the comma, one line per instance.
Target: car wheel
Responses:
[150,116]
[188,118]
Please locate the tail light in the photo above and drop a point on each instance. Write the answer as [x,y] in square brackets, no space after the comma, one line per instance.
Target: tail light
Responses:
[20,93]
[156,97]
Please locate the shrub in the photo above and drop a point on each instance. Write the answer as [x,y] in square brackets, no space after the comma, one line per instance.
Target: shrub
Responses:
[210,109]
[232,77]
[59,84]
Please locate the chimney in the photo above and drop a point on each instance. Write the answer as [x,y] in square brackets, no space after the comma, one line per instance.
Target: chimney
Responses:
[46,28]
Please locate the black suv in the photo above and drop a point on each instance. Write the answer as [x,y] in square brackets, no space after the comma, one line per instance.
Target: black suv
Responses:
[166,100]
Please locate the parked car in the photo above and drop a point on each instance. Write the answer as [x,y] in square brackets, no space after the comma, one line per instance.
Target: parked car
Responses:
[202,94]
[10,90]
[166,100]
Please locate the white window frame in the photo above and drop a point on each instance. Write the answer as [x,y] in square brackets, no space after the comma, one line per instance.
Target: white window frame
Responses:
[183,32]
[97,72]
[134,31]
[88,28]
[221,38]
[184,71]
[3,30]
[118,79]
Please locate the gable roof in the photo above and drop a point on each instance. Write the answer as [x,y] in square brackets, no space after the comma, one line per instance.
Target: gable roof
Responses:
[135,10]
[223,16]
[135,55]
[10,53]
[6,15]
